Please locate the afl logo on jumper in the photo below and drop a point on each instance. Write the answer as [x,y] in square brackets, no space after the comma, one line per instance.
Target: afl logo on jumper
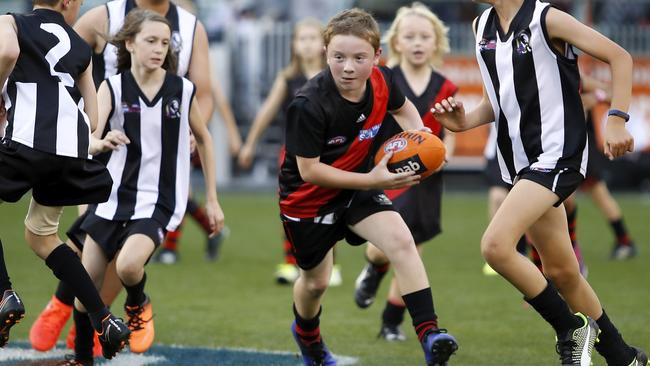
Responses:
[173,109]
[396,145]
[338,140]
[487,45]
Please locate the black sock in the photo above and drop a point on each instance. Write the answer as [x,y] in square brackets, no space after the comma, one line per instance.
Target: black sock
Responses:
[83,342]
[554,310]
[308,329]
[522,245]
[420,306]
[611,344]
[67,267]
[5,283]
[135,294]
[65,293]
[618,226]
[393,314]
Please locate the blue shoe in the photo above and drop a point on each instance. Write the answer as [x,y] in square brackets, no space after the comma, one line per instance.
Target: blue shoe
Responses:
[438,346]
[316,354]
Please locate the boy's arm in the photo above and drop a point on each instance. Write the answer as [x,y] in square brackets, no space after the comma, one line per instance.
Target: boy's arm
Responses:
[9,47]
[324,175]
[263,118]
[562,26]
[91,25]
[89,94]
[206,152]
[408,117]
[199,71]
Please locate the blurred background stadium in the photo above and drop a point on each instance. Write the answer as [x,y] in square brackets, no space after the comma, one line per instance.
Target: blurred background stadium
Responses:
[235,303]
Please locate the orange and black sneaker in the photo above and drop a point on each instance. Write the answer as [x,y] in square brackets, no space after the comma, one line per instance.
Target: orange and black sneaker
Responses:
[72,334]
[140,320]
[12,311]
[71,361]
[114,336]
[46,329]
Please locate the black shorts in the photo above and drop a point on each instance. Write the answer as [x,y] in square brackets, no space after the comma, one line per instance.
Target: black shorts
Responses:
[492,173]
[311,239]
[420,206]
[596,164]
[75,233]
[562,182]
[54,180]
[111,235]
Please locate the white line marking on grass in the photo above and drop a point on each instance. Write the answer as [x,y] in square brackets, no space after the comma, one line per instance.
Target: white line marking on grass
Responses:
[130,359]
[21,354]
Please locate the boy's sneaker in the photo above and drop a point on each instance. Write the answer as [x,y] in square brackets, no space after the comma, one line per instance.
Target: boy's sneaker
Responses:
[641,358]
[314,354]
[214,244]
[366,285]
[70,361]
[336,278]
[438,346]
[286,273]
[140,320]
[576,346]
[621,252]
[391,333]
[12,311]
[46,329]
[114,336]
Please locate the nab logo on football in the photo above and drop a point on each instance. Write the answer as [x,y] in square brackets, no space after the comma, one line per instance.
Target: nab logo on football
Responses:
[395,145]
[412,164]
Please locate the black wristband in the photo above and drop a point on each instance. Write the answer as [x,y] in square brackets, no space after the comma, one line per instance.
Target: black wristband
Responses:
[619,113]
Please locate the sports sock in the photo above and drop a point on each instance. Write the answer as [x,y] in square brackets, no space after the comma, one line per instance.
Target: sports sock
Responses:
[5,283]
[381,268]
[611,344]
[83,342]
[393,313]
[420,306]
[135,294]
[618,226]
[172,238]
[289,258]
[67,267]
[198,213]
[308,330]
[554,310]
[65,293]
[537,260]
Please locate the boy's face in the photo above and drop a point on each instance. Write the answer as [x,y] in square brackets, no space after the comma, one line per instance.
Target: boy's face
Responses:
[71,10]
[351,59]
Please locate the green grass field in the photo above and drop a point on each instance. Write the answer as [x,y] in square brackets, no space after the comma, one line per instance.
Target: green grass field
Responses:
[235,302]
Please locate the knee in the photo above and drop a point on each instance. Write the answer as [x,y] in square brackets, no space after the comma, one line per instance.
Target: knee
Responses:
[563,276]
[316,287]
[128,271]
[493,250]
[403,246]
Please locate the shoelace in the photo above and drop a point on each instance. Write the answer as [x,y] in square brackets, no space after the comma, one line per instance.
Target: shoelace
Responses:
[565,350]
[135,318]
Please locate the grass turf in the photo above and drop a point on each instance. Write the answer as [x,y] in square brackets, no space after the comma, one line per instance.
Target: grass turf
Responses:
[235,302]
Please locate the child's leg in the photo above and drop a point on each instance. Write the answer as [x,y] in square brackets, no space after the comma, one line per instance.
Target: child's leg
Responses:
[309,288]
[95,263]
[550,236]
[130,269]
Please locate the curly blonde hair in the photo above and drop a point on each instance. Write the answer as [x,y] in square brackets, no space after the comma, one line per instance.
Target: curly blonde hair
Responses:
[439,28]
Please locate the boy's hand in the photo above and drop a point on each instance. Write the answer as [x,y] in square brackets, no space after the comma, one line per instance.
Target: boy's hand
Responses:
[246,155]
[618,139]
[382,178]
[215,216]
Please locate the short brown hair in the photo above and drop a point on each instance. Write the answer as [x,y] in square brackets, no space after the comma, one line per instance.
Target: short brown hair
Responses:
[355,22]
[45,2]
[132,26]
